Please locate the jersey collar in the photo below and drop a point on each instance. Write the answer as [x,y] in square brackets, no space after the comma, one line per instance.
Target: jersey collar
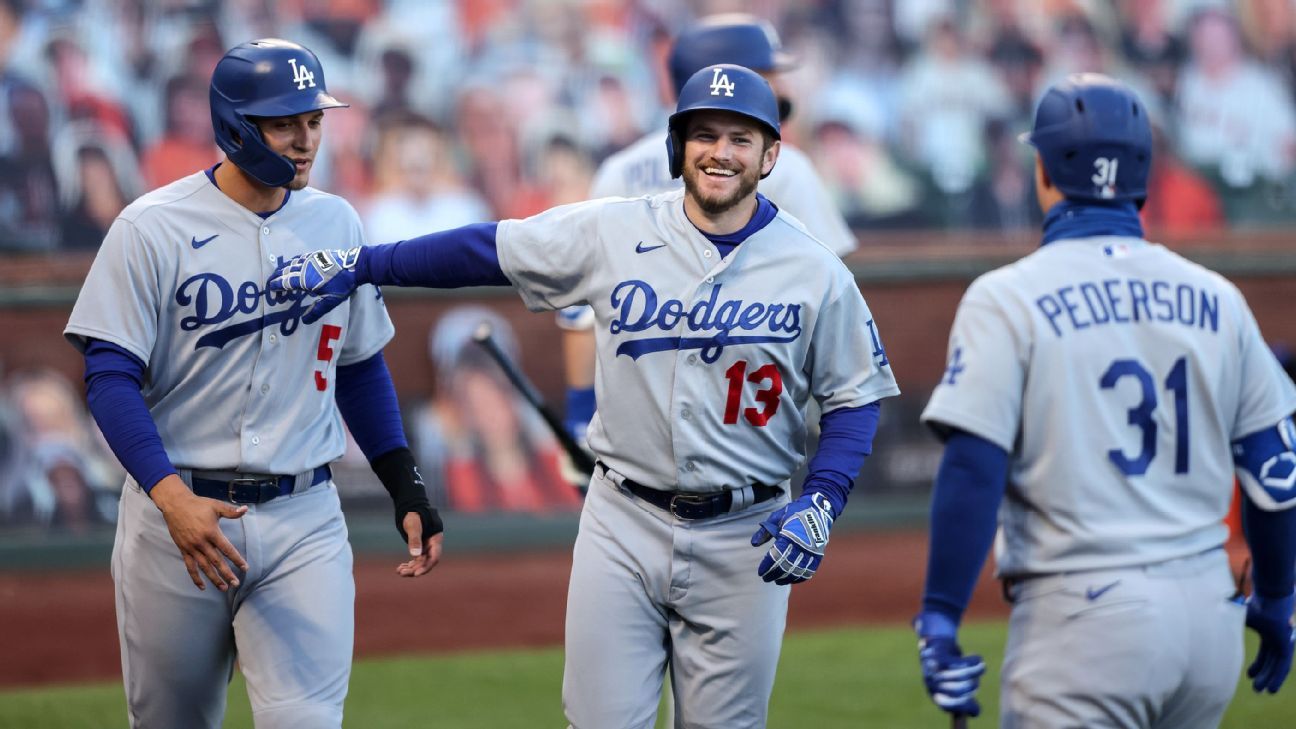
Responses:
[211,175]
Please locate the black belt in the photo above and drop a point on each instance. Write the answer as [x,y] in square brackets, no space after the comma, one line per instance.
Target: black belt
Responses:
[252,488]
[690,506]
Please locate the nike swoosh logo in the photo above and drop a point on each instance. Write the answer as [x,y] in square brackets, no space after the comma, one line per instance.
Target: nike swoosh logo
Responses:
[200,243]
[641,248]
[1093,594]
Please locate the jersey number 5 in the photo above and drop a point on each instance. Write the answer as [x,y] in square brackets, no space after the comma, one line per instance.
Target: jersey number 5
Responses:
[329,334]
[768,397]
[1141,414]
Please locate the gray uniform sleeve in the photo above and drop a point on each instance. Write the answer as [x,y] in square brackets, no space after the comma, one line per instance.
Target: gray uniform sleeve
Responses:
[848,367]
[121,297]
[370,326]
[803,195]
[548,257]
[1267,394]
[981,391]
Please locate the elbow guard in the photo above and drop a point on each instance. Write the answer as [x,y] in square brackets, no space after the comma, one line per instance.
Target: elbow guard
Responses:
[1266,466]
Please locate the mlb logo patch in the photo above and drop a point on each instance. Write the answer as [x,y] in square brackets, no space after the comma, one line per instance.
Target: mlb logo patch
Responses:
[1116,250]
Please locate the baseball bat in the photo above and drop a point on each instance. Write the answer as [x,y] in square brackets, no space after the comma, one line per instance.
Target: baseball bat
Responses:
[580,458]
[958,721]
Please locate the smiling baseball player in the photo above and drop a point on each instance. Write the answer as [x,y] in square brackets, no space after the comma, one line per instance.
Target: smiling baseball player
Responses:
[223,405]
[1104,389]
[718,318]
[641,169]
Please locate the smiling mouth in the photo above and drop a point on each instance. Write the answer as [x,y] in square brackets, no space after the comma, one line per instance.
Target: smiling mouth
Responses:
[719,172]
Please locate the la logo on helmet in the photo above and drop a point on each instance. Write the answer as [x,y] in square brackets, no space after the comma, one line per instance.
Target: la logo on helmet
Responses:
[301,75]
[720,82]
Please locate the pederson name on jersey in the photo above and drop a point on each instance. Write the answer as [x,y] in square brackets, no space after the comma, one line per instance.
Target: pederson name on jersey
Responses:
[1128,301]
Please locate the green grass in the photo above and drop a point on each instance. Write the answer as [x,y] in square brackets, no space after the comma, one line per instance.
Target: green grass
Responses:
[841,678]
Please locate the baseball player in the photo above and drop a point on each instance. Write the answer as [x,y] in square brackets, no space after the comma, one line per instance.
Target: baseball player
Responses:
[1099,394]
[223,405]
[641,169]
[718,318]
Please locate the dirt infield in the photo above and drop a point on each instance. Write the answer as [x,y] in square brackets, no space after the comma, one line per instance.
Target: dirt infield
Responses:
[60,627]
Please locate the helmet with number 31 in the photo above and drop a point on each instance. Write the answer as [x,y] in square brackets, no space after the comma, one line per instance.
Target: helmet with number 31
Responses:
[1095,138]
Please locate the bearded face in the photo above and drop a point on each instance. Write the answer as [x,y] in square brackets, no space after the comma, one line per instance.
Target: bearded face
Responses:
[725,155]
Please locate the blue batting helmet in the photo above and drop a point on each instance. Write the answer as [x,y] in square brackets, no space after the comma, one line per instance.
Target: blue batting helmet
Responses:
[737,38]
[264,78]
[723,87]
[1095,138]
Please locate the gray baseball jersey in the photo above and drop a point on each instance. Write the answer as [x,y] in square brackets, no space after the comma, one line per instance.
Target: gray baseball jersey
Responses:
[794,186]
[1117,373]
[234,382]
[705,364]
[234,379]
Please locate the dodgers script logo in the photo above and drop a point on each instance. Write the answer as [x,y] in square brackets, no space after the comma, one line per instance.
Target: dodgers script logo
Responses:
[638,310]
[214,301]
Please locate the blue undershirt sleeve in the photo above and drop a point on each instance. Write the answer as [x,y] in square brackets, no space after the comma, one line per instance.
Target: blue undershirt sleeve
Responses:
[964,517]
[449,259]
[845,440]
[113,380]
[1271,535]
[367,399]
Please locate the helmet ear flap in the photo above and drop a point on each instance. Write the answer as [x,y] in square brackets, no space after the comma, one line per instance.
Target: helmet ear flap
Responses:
[675,151]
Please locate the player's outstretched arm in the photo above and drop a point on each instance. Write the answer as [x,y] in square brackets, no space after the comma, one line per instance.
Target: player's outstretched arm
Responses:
[194,524]
[969,486]
[454,258]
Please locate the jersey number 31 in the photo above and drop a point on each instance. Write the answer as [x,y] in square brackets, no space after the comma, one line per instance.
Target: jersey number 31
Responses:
[1141,414]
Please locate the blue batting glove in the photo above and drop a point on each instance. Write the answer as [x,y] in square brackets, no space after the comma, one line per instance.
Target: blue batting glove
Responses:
[952,679]
[329,275]
[1271,619]
[800,533]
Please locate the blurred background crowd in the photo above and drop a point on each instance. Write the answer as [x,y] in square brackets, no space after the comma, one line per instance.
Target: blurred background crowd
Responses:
[471,110]
[468,110]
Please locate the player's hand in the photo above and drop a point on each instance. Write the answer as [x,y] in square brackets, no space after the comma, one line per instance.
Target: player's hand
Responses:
[951,678]
[424,548]
[329,275]
[1272,620]
[800,533]
[194,525]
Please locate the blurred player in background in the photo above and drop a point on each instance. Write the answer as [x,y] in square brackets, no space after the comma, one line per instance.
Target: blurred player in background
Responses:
[1104,389]
[642,169]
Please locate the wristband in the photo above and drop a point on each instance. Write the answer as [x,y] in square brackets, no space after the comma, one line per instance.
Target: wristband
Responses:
[400,476]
